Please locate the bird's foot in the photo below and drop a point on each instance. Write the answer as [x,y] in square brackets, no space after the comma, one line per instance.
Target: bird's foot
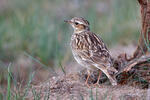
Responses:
[87,85]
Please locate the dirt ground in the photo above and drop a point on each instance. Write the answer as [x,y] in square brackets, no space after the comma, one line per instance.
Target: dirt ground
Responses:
[70,86]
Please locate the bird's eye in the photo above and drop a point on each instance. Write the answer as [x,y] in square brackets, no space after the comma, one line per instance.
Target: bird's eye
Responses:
[76,23]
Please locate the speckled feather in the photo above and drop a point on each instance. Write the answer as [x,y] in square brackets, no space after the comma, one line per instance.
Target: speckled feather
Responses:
[89,47]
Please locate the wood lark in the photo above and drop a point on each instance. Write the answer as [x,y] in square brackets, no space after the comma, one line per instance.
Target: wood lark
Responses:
[89,50]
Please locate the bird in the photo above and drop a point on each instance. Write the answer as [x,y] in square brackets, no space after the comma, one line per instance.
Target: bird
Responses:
[89,50]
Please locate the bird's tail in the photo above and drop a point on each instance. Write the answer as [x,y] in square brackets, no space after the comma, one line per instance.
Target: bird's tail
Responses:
[112,70]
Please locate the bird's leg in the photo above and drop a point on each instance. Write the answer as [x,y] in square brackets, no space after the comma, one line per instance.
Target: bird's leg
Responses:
[97,83]
[86,82]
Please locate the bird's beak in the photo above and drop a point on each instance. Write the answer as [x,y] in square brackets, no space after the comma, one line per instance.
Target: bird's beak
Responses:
[68,21]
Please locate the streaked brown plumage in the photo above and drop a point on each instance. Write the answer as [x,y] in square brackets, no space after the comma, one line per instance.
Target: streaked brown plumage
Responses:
[89,50]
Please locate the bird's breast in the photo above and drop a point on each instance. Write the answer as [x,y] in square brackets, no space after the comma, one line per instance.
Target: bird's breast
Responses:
[78,42]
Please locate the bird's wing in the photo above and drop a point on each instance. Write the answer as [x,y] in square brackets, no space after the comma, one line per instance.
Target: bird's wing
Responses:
[91,48]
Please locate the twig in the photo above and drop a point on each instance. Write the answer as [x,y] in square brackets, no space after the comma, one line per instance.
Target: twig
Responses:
[134,62]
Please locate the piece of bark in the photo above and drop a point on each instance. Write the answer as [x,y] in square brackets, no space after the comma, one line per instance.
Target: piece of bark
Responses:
[134,62]
[144,39]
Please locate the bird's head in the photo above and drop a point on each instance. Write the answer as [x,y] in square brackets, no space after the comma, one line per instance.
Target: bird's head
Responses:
[79,24]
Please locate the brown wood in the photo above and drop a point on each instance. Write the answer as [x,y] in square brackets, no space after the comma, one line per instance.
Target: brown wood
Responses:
[142,53]
[145,31]
[127,67]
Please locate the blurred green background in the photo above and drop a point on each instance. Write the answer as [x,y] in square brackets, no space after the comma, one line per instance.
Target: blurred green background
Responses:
[37,27]
[34,31]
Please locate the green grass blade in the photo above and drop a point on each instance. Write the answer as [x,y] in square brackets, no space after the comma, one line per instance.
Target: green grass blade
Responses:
[96,94]
[82,98]
[28,85]
[62,68]
[36,60]
[91,95]
[9,83]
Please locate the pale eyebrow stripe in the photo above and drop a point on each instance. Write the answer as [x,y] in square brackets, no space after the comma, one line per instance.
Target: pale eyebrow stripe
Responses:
[79,22]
